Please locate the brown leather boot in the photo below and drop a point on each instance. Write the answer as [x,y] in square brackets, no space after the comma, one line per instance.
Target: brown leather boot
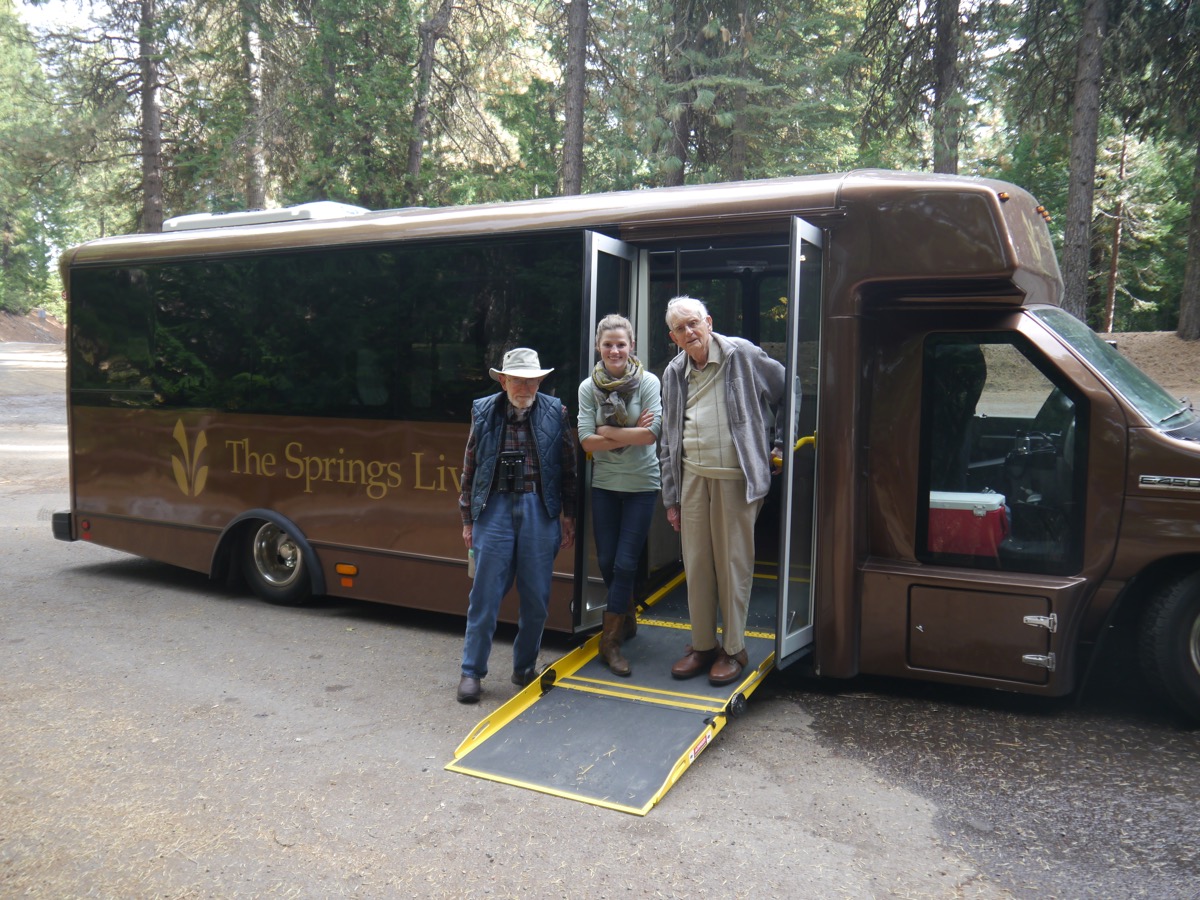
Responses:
[629,626]
[610,645]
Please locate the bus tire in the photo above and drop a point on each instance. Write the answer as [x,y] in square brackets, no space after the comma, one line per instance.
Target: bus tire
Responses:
[1169,643]
[274,566]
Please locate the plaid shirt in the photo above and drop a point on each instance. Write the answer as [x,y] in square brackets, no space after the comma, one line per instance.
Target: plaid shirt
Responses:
[518,436]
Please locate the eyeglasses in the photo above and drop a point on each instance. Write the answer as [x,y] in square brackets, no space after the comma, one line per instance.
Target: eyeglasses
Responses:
[683,328]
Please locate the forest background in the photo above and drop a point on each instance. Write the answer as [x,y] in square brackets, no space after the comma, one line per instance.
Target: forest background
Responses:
[132,111]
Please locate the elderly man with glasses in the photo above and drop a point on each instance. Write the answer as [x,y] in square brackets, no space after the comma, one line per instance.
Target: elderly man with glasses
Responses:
[720,397]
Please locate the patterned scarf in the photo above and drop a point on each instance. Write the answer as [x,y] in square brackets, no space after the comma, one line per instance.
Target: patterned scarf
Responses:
[609,391]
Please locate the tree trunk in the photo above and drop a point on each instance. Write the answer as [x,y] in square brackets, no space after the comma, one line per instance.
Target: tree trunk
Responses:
[7,237]
[738,145]
[947,103]
[256,164]
[1189,300]
[679,73]
[1114,257]
[430,32]
[1077,230]
[321,183]
[151,143]
[577,44]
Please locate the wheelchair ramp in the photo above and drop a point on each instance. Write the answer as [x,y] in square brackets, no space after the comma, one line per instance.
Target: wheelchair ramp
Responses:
[621,743]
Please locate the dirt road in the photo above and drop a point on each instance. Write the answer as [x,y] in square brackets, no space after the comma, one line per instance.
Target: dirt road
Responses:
[164,738]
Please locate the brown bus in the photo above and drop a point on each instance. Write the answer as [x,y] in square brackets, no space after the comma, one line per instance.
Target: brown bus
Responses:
[978,487]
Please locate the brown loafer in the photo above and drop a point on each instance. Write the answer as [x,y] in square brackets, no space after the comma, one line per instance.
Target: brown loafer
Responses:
[694,662]
[469,690]
[727,669]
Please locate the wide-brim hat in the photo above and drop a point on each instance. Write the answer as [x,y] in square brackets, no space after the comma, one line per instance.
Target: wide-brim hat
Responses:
[521,362]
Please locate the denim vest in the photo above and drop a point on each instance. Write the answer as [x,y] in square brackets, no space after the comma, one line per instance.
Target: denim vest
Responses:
[546,422]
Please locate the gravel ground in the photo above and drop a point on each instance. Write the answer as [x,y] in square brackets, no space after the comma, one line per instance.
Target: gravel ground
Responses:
[166,738]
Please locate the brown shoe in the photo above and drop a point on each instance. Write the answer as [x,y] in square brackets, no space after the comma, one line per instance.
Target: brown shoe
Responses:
[694,662]
[610,645]
[469,689]
[727,669]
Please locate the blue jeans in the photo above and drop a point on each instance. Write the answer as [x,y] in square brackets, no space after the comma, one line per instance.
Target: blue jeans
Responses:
[621,521]
[515,541]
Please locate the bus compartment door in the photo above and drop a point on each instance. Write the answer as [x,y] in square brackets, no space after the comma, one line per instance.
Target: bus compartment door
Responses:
[979,633]
[999,627]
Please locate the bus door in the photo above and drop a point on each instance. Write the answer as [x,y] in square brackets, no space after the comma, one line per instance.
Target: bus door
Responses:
[797,537]
[610,277]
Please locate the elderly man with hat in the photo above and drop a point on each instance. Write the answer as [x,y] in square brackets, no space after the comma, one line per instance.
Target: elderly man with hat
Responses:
[518,510]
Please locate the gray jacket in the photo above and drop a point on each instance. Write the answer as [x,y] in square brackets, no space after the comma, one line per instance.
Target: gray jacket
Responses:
[754,385]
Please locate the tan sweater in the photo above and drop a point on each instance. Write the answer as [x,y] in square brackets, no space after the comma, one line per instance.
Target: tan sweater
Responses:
[708,448]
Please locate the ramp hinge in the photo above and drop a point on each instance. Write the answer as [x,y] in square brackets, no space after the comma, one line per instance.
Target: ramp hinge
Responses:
[1050,622]
[1044,660]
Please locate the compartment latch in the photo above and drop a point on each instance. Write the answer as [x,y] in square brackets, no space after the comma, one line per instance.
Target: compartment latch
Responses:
[1042,660]
[1050,622]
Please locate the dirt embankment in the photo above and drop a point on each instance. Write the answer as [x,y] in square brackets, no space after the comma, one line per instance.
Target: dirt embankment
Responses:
[33,328]
[1173,363]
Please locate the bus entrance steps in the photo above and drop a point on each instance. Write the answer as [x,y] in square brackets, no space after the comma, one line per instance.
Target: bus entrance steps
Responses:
[582,733]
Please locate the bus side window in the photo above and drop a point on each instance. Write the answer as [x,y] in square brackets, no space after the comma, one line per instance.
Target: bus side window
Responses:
[1001,457]
[370,378]
[957,375]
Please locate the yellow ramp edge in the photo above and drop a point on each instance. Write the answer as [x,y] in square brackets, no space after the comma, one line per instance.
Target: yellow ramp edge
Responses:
[563,675]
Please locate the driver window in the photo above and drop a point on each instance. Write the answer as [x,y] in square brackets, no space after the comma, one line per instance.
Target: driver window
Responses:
[1002,459]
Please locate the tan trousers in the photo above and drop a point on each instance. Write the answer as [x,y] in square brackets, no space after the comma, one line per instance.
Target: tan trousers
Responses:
[717,535]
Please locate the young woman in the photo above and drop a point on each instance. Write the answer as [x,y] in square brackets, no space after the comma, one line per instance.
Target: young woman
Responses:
[620,416]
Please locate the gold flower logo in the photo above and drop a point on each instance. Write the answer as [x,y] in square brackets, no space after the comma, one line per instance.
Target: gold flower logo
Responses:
[189,474]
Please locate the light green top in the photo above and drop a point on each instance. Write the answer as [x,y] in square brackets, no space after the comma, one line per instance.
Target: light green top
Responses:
[635,468]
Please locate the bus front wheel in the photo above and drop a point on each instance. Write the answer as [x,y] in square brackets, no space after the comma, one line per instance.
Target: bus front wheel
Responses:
[274,566]
[1169,643]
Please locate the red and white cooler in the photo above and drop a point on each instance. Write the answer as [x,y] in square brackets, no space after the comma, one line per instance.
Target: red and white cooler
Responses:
[966,523]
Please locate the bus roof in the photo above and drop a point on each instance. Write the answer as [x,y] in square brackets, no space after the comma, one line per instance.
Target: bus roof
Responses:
[894,211]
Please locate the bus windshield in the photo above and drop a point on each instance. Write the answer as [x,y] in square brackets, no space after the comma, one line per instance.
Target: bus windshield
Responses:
[1151,399]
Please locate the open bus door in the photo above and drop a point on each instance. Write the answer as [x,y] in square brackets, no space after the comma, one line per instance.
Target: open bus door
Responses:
[609,285]
[797,536]
[622,742]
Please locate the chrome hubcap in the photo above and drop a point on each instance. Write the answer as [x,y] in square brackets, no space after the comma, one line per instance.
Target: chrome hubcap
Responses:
[276,556]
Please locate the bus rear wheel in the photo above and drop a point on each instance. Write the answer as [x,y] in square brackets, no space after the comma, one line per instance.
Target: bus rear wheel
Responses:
[1169,643]
[274,566]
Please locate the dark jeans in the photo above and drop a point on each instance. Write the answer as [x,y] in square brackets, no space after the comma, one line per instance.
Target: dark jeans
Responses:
[621,521]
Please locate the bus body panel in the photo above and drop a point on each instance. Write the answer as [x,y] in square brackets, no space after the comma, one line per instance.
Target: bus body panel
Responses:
[920,274]
[379,495]
[898,610]
[1161,518]
[839,503]
[182,546]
